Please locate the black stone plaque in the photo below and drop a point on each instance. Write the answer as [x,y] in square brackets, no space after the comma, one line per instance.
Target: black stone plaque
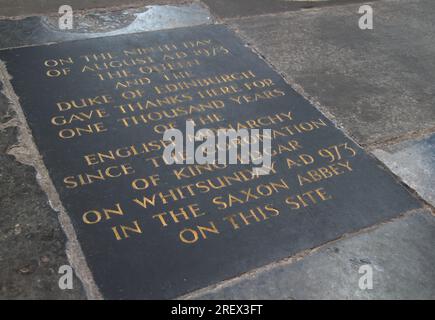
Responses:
[97,109]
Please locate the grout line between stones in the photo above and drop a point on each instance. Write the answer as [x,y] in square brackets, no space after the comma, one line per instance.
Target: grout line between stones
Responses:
[26,147]
[290,260]
[304,253]
[299,89]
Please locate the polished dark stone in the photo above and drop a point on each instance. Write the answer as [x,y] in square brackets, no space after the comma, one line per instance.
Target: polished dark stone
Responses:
[155,263]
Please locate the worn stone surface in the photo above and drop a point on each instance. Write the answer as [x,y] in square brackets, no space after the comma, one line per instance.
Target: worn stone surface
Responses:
[374,75]
[92,24]
[414,162]
[33,244]
[355,192]
[6,113]
[377,84]
[34,7]
[242,8]
[400,253]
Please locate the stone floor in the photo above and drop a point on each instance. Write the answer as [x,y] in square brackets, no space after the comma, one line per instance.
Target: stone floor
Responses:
[377,86]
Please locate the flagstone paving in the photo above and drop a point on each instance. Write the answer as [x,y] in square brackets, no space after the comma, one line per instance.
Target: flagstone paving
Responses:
[375,85]
[414,162]
[400,254]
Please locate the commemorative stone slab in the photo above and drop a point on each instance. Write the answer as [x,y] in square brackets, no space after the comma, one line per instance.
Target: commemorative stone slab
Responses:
[97,110]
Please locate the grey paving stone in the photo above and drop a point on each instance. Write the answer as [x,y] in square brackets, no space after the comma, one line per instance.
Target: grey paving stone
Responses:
[364,197]
[376,83]
[400,253]
[414,162]
[92,24]
[6,113]
[243,8]
[32,7]
[32,242]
